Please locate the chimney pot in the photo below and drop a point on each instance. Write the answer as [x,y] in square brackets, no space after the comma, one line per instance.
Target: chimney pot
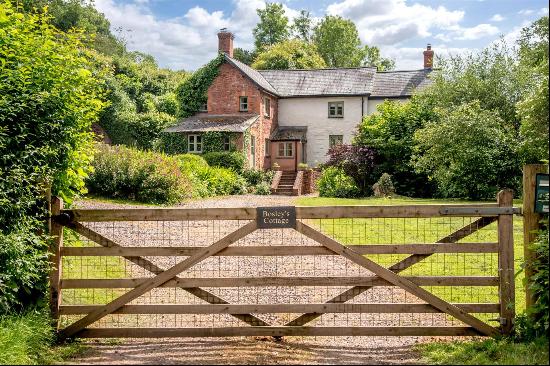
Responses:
[225,42]
[428,57]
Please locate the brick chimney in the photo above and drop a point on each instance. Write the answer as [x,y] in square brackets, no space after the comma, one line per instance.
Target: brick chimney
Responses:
[428,57]
[225,42]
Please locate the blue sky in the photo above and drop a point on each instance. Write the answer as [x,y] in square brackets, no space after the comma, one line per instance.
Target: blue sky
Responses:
[181,34]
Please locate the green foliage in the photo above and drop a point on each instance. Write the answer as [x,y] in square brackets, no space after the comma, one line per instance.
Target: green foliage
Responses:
[390,131]
[255,176]
[289,54]
[231,160]
[335,183]
[272,27]
[536,321]
[171,143]
[371,57]
[192,92]
[302,26]
[222,181]
[28,339]
[468,153]
[121,172]
[25,265]
[214,141]
[263,189]
[245,56]
[533,106]
[338,42]
[384,187]
[486,352]
[49,98]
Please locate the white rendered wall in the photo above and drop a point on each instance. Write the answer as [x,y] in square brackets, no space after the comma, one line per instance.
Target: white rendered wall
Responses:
[313,113]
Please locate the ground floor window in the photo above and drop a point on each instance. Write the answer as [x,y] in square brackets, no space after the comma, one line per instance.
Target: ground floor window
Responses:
[334,140]
[286,149]
[194,143]
[226,143]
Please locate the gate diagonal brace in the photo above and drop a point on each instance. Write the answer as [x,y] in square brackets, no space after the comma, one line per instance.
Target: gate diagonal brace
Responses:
[158,280]
[397,280]
[153,268]
[396,268]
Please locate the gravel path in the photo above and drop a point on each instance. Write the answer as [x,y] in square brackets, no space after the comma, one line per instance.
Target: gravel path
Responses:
[251,350]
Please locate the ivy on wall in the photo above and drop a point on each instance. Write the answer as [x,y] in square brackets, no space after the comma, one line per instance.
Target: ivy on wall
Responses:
[214,141]
[172,143]
[192,93]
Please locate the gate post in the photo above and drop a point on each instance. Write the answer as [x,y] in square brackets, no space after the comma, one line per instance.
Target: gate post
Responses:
[506,262]
[530,222]
[56,232]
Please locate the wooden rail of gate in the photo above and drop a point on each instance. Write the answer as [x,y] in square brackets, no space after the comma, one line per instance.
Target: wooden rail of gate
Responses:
[253,325]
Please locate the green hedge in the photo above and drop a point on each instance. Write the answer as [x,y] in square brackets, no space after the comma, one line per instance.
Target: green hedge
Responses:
[231,160]
[335,183]
[122,172]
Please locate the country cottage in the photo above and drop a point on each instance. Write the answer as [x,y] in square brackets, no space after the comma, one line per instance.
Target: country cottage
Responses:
[292,116]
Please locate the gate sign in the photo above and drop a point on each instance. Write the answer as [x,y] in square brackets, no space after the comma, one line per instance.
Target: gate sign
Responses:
[276,217]
[541,193]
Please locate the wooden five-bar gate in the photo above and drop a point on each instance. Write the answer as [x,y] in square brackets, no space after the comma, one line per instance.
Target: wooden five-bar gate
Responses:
[284,271]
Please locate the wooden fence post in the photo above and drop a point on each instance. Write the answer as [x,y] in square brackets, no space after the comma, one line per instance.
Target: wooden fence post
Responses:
[506,262]
[530,221]
[55,259]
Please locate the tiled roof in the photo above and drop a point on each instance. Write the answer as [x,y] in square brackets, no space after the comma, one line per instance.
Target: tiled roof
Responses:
[252,74]
[399,83]
[332,82]
[350,81]
[212,122]
[289,133]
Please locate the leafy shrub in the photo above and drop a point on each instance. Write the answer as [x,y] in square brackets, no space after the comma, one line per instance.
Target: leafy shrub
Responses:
[122,172]
[232,160]
[356,161]
[191,161]
[222,181]
[468,153]
[390,132]
[384,187]
[334,182]
[255,176]
[25,265]
[263,188]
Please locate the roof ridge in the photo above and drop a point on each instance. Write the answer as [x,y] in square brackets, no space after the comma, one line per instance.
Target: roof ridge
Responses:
[394,71]
[321,69]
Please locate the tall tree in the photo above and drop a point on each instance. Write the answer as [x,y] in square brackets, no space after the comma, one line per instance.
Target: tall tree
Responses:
[338,42]
[371,57]
[533,106]
[302,26]
[272,27]
[245,56]
[290,54]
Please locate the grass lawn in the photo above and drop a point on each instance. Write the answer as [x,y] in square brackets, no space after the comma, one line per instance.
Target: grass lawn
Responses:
[487,352]
[28,339]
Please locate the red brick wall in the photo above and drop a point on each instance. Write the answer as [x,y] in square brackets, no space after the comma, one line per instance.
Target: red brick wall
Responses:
[223,98]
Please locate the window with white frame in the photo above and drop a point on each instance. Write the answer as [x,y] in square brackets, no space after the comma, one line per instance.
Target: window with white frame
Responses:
[267,107]
[336,109]
[194,143]
[226,143]
[243,104]
[334,140]
[286,149]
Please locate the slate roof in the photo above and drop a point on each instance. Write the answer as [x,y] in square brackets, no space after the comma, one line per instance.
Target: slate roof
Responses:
[213,122]
[336,82]
[399,83]
[348,81]
[289,133]
[252,74]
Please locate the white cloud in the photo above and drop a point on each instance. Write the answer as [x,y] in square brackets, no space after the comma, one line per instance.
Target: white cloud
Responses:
[387,22]
[497,18]
[526,12]
[543,11]
[477,32]
[411,58]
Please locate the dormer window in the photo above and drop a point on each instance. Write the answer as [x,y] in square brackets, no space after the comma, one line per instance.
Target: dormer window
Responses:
[243,104]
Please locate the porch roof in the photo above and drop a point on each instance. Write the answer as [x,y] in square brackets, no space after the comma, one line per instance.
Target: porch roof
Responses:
[282,133]
[215,122]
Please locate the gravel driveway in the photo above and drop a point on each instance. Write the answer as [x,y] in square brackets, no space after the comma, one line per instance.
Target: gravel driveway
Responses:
[250,350]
